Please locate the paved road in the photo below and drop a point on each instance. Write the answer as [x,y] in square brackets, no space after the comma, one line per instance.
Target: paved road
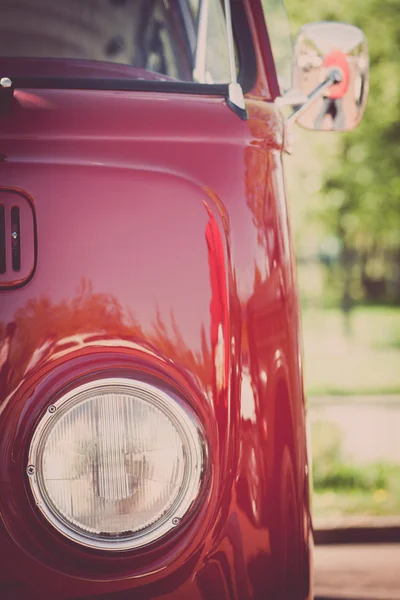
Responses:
[359,572]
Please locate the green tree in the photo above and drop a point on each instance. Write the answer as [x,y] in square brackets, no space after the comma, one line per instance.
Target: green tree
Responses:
[360,191]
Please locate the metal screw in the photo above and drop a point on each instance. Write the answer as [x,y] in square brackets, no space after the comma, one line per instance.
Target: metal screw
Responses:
[52,409]
[14,235]
[5,82]
[176,521]
[31,470]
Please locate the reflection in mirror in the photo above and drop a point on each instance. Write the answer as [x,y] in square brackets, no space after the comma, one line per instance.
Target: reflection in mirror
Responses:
[319,48]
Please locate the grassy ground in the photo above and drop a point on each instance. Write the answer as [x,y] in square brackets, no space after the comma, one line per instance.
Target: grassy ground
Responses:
[342,488]
[358,358]
[366,360]
[338,503]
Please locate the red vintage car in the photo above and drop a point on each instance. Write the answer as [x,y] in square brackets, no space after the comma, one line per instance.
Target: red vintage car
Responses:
[152,416]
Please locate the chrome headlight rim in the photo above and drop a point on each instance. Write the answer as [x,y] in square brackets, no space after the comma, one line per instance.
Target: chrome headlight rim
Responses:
[185,421]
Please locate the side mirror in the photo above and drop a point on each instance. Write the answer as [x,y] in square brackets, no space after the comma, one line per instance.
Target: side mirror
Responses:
[331,69]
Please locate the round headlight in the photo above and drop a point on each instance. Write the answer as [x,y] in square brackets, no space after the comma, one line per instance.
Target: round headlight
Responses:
[116,463]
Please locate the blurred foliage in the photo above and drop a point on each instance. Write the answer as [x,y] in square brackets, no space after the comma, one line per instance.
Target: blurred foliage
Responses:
[329,502]
[353,191]
[332,472]
[343,476]
[342,488]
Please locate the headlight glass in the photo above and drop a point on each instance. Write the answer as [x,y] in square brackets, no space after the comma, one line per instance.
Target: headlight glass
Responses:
[116,463]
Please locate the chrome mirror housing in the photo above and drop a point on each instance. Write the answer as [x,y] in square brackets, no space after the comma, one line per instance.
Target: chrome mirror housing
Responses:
[331,69]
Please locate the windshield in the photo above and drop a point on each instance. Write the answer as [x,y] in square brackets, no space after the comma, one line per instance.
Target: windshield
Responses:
[181,40]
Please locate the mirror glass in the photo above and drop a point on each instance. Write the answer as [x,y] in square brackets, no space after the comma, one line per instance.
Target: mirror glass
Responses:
[323,46]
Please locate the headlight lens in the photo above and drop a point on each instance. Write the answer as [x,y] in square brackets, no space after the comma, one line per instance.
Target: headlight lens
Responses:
[116,463]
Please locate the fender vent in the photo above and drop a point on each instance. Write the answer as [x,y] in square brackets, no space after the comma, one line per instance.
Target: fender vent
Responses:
[17,239]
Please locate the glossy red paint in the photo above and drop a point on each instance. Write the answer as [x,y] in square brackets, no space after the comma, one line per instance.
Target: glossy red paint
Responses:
[163,252]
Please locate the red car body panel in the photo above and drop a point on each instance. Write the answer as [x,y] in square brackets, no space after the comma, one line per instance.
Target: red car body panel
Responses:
[162,249]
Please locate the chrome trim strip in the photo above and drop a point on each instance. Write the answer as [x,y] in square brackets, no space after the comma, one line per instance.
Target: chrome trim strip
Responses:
[231,45]
[235,92]
[200,63]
